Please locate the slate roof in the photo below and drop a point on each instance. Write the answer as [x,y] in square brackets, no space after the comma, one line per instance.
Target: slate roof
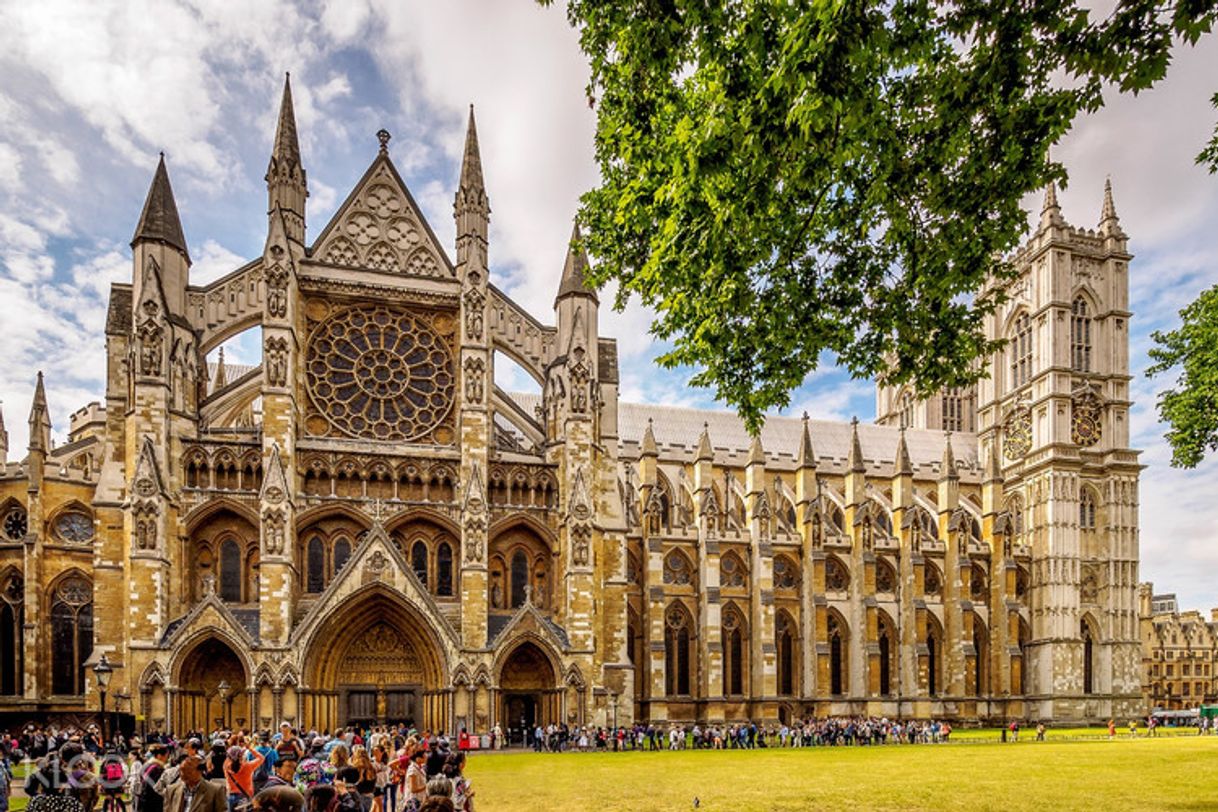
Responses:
[677,428]
[118,315]
[159,221]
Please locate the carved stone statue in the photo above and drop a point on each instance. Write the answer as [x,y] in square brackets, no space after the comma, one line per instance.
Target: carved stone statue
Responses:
[473,314]
[150,350]
[277,361]
[277,292]
[475,371]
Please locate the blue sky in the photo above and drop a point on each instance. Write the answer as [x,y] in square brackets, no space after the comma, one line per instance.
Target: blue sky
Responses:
[94,90]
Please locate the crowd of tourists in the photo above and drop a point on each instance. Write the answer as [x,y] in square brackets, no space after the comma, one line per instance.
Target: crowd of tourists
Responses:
[380,770]
[834,732]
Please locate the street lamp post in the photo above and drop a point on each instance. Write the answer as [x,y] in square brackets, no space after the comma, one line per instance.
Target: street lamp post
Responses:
[613,704]
[102,673]
[222,689]
[119,698]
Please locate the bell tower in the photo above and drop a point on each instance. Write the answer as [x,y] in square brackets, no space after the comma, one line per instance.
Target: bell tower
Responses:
[1056,403]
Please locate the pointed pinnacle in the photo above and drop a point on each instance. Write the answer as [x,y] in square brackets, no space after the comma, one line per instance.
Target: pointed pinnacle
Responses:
[1050,198]
[573,282]
[40,419]
[756,452]
[287,144]
[993,466]
[855,460]
[471,161]
[903,466]
[38,408]
[221,379]
[807,456]
[948,468]
[704,450]
[159,221]
[1109,222]
[650,449]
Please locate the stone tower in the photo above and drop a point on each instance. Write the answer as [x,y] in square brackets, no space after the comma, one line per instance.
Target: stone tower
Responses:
[1056,402]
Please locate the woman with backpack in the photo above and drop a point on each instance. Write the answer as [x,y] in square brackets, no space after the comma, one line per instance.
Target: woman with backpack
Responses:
[239,768]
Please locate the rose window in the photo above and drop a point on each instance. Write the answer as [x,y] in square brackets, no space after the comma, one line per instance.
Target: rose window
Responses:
[380,373]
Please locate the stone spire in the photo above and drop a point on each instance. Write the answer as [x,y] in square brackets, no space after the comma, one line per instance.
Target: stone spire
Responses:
[807,455]
[756,452]
[1050,212]
[286,184]
[855,461]
[471,208]
[1110,224]
[573,282]
[704,451]
[40,417]
[3,440]
[221,378]
[159,221]
[948,468]
[287,144]
[471,161]
[649,447]
[903,466]
[40,435]
[993,466]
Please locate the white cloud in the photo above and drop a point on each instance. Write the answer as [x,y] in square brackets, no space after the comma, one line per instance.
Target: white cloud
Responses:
[338,87]
[10,168]
[213,261]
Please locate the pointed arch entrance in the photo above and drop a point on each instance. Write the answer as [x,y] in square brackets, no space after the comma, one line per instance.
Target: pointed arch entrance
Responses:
[375,660]
[212,681]
[528,685]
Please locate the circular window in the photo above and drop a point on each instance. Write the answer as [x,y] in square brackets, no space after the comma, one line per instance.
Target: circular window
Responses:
[380,373]
[74,527]
[15,524]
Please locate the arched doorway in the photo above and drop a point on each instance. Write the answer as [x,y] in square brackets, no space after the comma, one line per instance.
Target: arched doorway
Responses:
[211,688]
[529,688]
[376,660]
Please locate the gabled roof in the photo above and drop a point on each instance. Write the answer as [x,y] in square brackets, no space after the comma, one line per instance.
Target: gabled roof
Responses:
[527,617]
[330,245]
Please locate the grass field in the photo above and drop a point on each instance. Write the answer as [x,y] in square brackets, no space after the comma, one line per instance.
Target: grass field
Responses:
[1169,773]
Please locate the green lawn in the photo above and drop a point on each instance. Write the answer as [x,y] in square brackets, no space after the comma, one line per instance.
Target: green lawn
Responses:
[1163,774]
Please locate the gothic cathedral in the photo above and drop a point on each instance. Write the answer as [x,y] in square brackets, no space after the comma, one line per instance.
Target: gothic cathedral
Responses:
[364,528]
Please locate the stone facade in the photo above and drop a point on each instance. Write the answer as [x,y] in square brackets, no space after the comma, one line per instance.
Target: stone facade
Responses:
[1179,653]
[365,527]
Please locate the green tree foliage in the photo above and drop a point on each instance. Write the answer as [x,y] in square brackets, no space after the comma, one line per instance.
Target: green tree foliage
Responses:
[780,179]
[1191,411]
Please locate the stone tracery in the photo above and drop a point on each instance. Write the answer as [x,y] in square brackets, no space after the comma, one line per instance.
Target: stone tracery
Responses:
[382,373]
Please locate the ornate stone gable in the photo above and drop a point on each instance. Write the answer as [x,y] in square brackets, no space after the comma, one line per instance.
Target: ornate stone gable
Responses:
[380,228]
[377,560]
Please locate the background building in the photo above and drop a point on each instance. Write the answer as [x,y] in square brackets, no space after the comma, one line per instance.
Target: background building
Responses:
[364,527]
[1179,653]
